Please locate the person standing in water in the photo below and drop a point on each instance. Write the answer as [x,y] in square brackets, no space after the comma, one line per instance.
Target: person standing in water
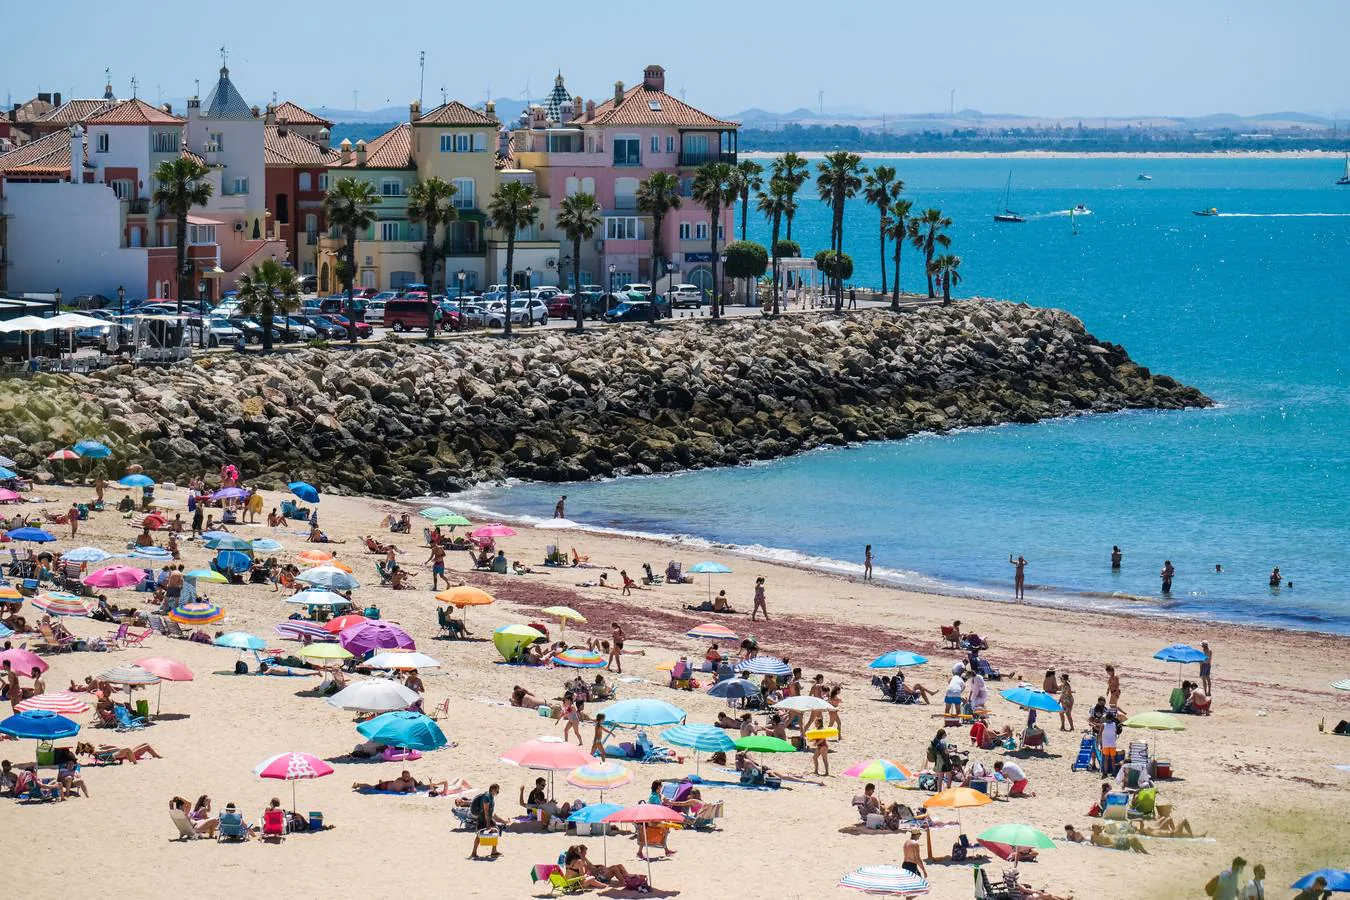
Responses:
[867,563]
[1020,577]
[1166,575]
[1275,578]
[1115,558]
[560,508]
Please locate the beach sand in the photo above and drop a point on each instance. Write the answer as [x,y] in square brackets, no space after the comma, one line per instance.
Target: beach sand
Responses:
[1256,775]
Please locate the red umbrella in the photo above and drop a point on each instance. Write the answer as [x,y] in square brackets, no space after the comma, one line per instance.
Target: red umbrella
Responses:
[63,455]
[341,622]
[63,702]
[646,814]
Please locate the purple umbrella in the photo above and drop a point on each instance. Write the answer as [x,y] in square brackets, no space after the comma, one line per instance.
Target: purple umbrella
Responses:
[230,493]
[372,635]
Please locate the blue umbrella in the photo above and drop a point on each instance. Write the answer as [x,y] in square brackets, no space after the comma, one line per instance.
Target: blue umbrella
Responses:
[40,725]
[897,659]
[643,713]
[710,569]
[228,542]
[764,665]
[1180,653]
[233,561]
[1337,880]
[86,554]
[305,491]
[1031,698]
[92,449]
[734,689]
[159,554]
[410,730]
[136,481]
[240,640]
[215,535]
[5,631]
[267,545]
[6,474]
[36,535]
[699,738]
[596,812]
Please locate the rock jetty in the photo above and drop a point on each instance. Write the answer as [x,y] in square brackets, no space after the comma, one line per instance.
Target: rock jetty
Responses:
[400,419]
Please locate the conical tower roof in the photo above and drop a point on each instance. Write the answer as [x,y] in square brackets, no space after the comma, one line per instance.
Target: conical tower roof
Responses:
[225,101]
[553,104]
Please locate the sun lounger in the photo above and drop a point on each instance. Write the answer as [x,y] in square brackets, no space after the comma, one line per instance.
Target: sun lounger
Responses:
[51,641]
[185,830]
[231,828]
[1087,756]
[706,817]
[465,817]
[984,890]
[557,881]
[274,824]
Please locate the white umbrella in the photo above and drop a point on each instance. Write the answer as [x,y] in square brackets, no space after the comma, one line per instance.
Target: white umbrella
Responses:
[374,695]
[803,704]
[401,659]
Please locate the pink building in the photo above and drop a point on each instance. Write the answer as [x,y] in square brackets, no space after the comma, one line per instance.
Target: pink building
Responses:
[607,149]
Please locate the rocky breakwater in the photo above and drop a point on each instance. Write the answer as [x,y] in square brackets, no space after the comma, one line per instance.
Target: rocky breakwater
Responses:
[402,419]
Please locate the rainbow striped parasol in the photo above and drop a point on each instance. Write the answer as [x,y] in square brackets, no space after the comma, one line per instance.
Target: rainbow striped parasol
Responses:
[63,702]
[203,613]
[879,770]
[577,658]
[712,631]
[57,603]
[600,776]
[10,594]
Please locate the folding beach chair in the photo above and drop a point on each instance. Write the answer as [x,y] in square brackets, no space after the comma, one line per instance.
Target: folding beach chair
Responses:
[185,830]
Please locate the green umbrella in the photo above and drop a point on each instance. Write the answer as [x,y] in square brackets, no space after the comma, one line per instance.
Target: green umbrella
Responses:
[1015,835]
[1155,721]
[435,512]
[764,743]
[451,521]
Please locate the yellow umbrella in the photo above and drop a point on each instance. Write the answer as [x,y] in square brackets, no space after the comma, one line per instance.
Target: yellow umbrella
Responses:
[324,653]
[565,614]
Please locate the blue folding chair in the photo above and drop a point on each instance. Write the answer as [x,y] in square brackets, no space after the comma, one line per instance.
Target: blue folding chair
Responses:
[126,721]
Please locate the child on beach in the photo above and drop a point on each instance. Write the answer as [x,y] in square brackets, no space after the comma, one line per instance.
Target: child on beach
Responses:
[820,755]
[598,739]
[571,717]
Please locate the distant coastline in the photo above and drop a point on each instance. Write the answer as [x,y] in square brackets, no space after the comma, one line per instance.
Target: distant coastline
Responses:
[1061,154]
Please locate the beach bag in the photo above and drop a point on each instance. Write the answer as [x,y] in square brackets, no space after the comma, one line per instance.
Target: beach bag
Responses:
[240,667]
[927,782]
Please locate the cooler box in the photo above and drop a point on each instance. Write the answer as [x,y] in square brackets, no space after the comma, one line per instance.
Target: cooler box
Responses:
[488,838]
[1162,768]
[316,821]
[46,754]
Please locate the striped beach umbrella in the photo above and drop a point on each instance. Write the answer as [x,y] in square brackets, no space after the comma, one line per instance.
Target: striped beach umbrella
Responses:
[57,603]
[404,660]
[65,455]
[201,613]
[297,630]
[700,739]
[1341,685]
[879,770]
[713,632]
[578,658]
[600,776]
[10,594]
[764,665]
[435,512]
[885,880]
[317,597]
[63,702]
[129,674]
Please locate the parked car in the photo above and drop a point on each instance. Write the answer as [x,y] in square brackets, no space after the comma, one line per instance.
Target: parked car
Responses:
[451,317]
[414,287]
[560,306]
[686,296]
[299,330]
[386,296]
[636,287]
[544,293]
[538,312]
[309,283]
[472,315]
[252,329]
[363,329]
[499,291]
[324,328]
[219,332]
[338,304]
[637,311]
[406,314]
[375,312]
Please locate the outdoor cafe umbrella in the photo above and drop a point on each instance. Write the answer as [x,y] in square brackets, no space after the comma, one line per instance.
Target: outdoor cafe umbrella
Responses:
[885,879]
[646,814]
[167,670]
[699,738]
[304,490]
[710,569]
[292,767]
[1015,835]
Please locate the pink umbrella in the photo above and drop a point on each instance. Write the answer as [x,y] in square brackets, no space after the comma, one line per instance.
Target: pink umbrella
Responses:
[167,670]
[493,531]
[115,577]
[374,635]
[292,767]
[547,753]
[7,496]
[23,661]
[63,702]
[646,814]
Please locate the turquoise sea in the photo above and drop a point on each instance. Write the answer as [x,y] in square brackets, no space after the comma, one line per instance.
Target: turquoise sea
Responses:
[1249,306]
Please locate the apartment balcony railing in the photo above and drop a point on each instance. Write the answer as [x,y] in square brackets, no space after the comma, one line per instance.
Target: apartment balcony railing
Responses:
[698,159]
[465,248]
[138,207]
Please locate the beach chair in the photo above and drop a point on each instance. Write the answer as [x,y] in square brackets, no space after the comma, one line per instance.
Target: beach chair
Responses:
[1087,756]
[557,882]
[36,793]
[51,641]
[185,830]
[1034,739]
[231,828]
[986,670]
[706,818]
[984,890]
[126,721]
[465,818]
[440,710]
[134,639]
[274,823]
[386,578]
[117,638]
[952,636]
[174,630]
[1117,806]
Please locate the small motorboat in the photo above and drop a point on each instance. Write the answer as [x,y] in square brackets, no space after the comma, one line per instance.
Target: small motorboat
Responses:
[1008,216]
[1143,177]
[1212,211]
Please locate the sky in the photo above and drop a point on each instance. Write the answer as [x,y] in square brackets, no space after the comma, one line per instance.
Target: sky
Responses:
[1036,57]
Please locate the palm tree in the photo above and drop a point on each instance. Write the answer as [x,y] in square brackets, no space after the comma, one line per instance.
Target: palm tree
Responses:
[714,187]
[879,189]
[748,181]
[348,208]
[266,289]
[512,208]
[926,234]
[180,184]
[837,180]
[897,229]
[775,203]
[657,195]
[429,203]
[793,169]
[578,218]
[946,268]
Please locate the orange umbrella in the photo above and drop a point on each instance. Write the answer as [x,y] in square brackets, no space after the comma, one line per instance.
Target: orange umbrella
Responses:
[465,596]
[314,557]
[957,798]
[338,564]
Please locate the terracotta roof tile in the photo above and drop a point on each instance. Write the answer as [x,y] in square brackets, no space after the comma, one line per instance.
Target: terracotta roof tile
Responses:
[294,150]
[456,113]
[635,109]
[73,111]
[134,112]
[294,114]
[391,150]
[49,155]
[196,157]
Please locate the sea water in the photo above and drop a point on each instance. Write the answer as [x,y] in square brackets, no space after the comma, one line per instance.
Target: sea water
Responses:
[1249,306]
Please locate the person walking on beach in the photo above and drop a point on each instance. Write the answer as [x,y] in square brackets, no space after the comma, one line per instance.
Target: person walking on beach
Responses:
[867,563]
[1206,667]
[1112,686]
[615,648]
[437,560]
[1115,558]
[560,508]
[484,810]
[1166,575]
[1019,577]
[912,857]
[598,738]
[759,600]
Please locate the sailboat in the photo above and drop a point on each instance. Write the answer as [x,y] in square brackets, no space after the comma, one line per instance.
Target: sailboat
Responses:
[1008,215]
[1345,179]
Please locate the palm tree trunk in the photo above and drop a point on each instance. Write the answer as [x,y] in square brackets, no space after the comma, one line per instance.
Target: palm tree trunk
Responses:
[712,229]
[946,288]
[745,209]
[266,318]
[895,285]
[883,251]
[576,284]
[776,219]
[510,266]
[180,243]
[351,280]
[656,258]
[428,272]
[928,268]
[838,253]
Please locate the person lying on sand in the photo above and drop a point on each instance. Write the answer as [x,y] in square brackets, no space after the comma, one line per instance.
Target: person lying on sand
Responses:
[1117,842]
[132,755]
[524,699]
[403,784]
[1165,826]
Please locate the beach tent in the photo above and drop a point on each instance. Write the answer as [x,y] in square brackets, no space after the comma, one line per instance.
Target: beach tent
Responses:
[511,640]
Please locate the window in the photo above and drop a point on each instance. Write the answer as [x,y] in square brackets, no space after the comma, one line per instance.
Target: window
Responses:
[306,181]
[215,140]
[201,234]
[479,142]
[323,182]
[670,144]
[124,188]
[447,143]
[721,232]
[463,238]
[656,143]
[241,185]
[368,278]
[623,228]
[465,195]
[307,268]
[684,231]
[694,149]
[627,151]
[135,233]
[700,231]
[312,227]
[654,105]
[625,193]
[588,186]
[163,142]
[101,145]
[391,187]
[572,186]
[389,231]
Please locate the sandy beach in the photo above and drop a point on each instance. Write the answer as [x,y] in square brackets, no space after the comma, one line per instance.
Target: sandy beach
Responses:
[1256,776]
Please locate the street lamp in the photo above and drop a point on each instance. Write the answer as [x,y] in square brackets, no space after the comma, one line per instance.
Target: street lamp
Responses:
[121,300]
[459,276]
[56,295]
[201,300]
[612,269]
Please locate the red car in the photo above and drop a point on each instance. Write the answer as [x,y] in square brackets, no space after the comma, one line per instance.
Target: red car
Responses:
[363,329]
[560,306]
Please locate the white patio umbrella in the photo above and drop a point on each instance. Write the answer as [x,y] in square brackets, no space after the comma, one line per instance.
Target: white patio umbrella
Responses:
[374,695]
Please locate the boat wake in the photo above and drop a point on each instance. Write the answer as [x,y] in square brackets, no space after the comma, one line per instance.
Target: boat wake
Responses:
[1311,215]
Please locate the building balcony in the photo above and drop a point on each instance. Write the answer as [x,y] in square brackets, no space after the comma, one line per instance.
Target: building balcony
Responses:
[699,159]
[465,248]
[138,207]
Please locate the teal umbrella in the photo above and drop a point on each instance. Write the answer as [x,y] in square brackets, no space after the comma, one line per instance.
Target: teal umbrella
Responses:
[700,738]
[407,729]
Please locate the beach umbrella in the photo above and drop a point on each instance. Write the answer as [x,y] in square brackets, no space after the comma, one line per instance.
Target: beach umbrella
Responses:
[435,512]
[23,661]
[764,743]
[7,496]
[1152,720]
[1031,698]
[1181,654]
[957,798]
[404,728]
[465,595]
[129,675]
[91,449]
[879,770]
[86,555]
[551,754]
[6,474]
[240,640]
[646,814]
[764,665]
[1341,685]
[213,535]
[341,623]
[565,614]
[299,629]
[1338,880]
[229,541]
[372,634]
[700,739]
[304,490]
[710,569]
[208,576]
[10,594]
[405,660]
[136,481]
[329,577]
[5,631]
[803,703]
[374,695]
[314,557]
[318,597]
[734,689]
[39,725]
[595,813]
[167,670]
[712,631]
[324,653]
[600,775]
[643,713]
[897,659]
[266,545]
[56,603]
[156,554]
[511,640]
[229,493]
[453,520]
[6,461]
[885,880]
[1015,835]
[579,658]
[292,767]
[33,535]
[495,530]
[235,561]
[66,455]
[115,577]
[62,702]
[200,613]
